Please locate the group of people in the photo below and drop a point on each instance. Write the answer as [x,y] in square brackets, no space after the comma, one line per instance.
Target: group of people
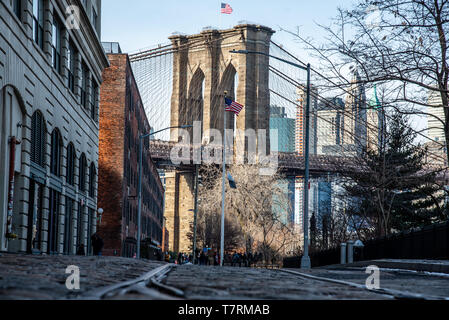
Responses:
[97,246]
[183,258]
[208,258]
[243,259]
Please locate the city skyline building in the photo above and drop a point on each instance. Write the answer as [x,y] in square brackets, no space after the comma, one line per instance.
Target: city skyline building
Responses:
[285,129]
[355,116]
[435,117]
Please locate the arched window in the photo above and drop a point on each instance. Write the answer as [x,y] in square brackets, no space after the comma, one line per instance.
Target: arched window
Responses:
[71,156]
[38,139]
[92,177]
[56,153]
[83,171]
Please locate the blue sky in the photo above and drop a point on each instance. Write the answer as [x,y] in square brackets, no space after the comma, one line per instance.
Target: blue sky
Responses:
[145,23]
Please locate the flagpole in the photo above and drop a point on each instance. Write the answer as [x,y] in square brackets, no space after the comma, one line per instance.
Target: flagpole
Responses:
[223,191]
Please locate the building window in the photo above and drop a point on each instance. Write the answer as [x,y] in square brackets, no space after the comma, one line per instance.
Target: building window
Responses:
[94,18]
[84,80]
[80,230]
[68,228]
[56,43]
[83,169]
[92,178]
[71,156]
[71,56]
[38,22]
[94,102]
[53,222]
[56,153]
[38,139]
[17,7]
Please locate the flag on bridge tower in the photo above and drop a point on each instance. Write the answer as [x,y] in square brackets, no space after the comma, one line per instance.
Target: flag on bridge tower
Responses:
[226,8]
[233,106]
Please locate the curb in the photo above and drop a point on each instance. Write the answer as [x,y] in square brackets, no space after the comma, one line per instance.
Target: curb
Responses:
[437,266]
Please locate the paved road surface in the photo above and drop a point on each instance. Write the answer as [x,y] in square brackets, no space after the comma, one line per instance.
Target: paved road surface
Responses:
[44,277]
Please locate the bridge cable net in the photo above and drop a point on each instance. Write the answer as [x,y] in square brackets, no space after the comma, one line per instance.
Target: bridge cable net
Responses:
[153,70]
[334,92]
[342,122]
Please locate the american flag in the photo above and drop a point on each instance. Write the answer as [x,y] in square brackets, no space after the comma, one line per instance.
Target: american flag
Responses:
[233,106]
[226,8]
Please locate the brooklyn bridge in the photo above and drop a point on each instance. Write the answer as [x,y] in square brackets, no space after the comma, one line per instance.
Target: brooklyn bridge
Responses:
[186,80]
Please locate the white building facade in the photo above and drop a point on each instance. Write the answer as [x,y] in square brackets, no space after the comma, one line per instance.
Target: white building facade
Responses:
[51,61]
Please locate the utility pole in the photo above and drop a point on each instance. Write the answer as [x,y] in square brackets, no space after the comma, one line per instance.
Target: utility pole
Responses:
[195,217]
[305,261]
[223,191]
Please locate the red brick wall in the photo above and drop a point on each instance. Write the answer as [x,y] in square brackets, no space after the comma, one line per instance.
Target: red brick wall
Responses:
[111,151]
[117,118]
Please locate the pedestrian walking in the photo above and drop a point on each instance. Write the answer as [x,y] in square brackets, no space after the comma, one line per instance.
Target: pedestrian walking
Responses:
[180,258]
[97,244]
[202,258]
[235,259]
[81,251]
[216,260]
[211,258]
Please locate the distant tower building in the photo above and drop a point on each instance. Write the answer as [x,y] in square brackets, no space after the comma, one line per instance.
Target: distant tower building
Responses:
[330,124]
[285,129]
[437,147]
[436,115]
[300,121]
[354,135]
[284,205]
[376,124]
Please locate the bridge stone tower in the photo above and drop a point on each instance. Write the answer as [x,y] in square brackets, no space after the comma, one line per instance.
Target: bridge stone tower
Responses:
[203,69]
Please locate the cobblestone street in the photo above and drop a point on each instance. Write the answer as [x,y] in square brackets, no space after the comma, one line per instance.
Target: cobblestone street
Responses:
[244,283]
[44,277]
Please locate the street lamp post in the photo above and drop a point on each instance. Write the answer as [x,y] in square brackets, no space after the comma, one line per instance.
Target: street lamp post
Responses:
[139,210]
[305,261]
[195,218]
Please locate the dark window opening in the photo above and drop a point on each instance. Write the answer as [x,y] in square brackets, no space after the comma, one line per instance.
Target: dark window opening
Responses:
[38,139]
[56,43]
[38,22]
[71,156]
[83,169]
[56,153]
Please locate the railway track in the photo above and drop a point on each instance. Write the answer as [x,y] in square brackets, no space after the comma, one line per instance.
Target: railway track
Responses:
[150,286]
[147,286]
[395,294]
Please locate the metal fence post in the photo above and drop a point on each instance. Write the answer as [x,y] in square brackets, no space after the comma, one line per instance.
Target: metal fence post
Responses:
[350,252]
[343,253]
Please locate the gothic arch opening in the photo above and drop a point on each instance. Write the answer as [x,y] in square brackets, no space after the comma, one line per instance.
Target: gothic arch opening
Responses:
[195,99]
[228,83]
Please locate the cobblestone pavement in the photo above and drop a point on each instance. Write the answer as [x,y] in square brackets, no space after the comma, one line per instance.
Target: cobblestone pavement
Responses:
[44,277]
[213,283]
[408,281]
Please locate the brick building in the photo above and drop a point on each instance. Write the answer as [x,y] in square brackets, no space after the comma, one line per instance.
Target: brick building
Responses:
[122,121]
[50,72]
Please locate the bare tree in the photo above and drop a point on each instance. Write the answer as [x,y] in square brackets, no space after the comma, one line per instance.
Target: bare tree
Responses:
[259,205]
[400,44]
